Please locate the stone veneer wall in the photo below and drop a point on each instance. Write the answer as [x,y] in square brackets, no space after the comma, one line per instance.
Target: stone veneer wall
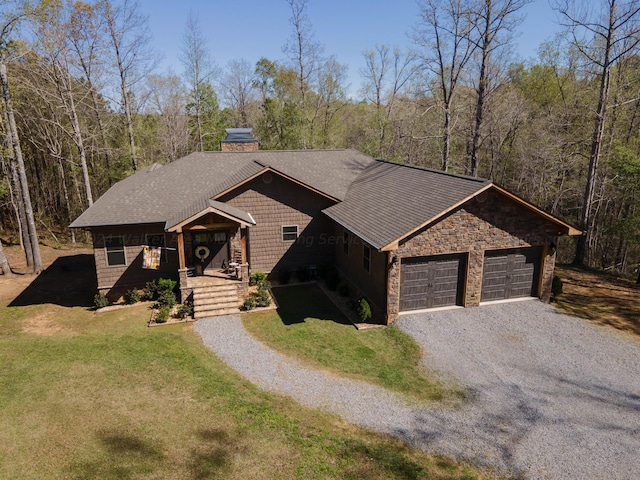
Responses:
[490,221]
[239,146]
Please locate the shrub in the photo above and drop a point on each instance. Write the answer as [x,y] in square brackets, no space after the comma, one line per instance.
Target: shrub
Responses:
[556,286]
[185,310]
[100,300]
[132,296]
[257,277]
[284,275]
[263,298]
[162,315]
[263,285]
[249,303]
[303,273]
[166,285]
[166,299]
[363,310]
[150,290]
[343,288]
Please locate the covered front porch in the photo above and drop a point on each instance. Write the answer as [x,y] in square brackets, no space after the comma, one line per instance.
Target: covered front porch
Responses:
[213,257]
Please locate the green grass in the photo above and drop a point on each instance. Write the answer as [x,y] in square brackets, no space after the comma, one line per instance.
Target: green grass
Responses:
[308,326]
[103,396]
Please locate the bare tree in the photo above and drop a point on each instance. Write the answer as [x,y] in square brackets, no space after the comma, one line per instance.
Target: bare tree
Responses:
[53,45]
[167,99]
[9,21]
[492,21]
[305,57]
[385,75]
[130,47]
[303,51]
[238,90]
[86,33]
[446,48]
[16,193]
[605,37]
[198,70]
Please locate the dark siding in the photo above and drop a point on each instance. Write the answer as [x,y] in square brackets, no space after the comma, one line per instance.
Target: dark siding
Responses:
[132,274]
[274,201]
[372,284]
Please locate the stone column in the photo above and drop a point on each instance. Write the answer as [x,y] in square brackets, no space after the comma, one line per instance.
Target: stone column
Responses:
[393,287]
[474,278]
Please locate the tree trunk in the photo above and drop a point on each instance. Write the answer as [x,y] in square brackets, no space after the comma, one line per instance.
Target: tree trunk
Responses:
[102,131]
[482,93]
[20,212]
[127,113]
[126,103]
[77,134]
[16,197]
[596,143]
[4,264]
[17,151]
[446,148]
[199,121]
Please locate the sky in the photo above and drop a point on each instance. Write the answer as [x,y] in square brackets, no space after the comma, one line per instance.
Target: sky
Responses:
[252,29]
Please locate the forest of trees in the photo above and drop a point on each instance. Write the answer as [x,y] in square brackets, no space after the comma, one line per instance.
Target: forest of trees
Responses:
[84,106]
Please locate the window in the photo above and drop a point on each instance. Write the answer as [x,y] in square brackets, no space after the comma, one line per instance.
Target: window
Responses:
[345,242]
[366,258]
[114,246]
[289,233]
[157,240]
[200,238]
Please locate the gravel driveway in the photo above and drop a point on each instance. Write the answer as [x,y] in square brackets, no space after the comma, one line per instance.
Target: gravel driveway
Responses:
[549,396]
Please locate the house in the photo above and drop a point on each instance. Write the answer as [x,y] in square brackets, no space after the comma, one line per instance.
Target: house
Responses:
[406,238]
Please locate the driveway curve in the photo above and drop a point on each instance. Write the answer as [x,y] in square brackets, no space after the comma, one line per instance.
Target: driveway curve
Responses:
[549,396]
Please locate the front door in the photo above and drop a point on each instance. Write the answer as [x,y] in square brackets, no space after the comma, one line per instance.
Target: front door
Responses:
[211,249]
[219,250]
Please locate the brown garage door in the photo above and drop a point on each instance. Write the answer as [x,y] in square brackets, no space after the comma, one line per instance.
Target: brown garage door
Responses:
[511,273]
[429,282]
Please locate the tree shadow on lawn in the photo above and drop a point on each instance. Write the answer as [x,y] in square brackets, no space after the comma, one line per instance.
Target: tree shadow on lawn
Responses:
[296,303]
[69,282]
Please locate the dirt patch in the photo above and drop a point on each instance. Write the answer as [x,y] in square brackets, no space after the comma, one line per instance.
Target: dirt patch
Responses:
[11,288]
[600,298]
[43,325]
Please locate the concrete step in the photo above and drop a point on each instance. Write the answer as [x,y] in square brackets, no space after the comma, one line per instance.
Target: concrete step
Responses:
[216,312]
[209,295]
[220,289]
[217,301]
[199,307]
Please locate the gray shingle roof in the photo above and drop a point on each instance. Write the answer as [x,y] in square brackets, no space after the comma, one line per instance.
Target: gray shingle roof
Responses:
[160,194]
[388,200]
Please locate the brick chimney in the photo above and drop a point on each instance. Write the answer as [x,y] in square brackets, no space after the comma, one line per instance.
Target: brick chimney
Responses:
[239,140]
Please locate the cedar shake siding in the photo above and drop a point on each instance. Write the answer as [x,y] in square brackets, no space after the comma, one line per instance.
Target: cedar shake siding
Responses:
[115,280]
[276,202]
[490,221]
[369,284]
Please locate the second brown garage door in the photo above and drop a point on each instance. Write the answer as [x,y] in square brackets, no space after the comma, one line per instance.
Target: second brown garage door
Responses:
[511,273]
[428,282]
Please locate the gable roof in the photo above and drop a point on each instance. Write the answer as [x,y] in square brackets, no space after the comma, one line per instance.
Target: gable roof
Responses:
[389,201]
[170,193]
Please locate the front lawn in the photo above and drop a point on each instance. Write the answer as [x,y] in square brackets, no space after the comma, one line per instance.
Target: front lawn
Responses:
[308,326]
[103,396]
